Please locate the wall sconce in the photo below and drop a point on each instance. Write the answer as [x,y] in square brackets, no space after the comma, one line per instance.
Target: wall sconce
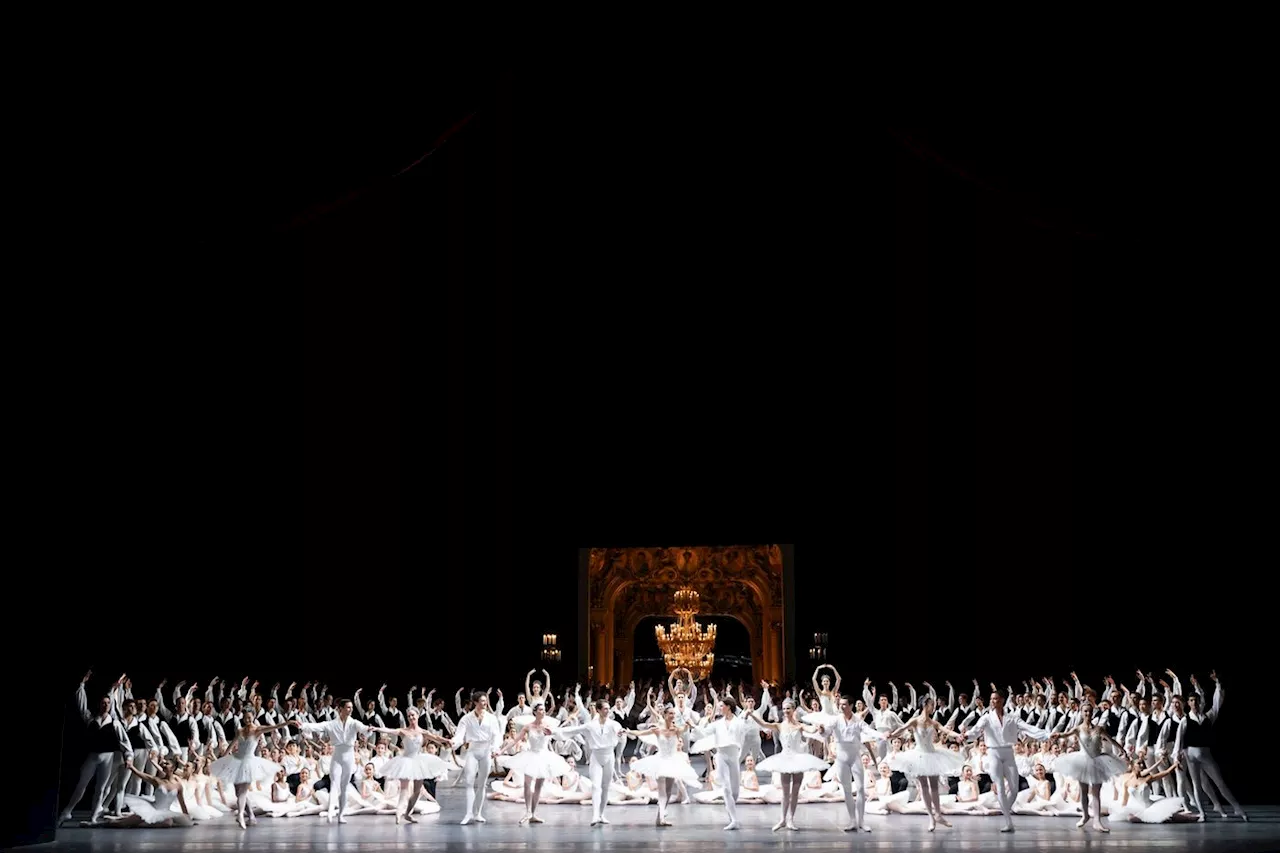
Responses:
[550,653]
[818,651]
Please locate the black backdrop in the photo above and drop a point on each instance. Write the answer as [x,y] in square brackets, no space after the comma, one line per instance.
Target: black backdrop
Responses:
[344,426]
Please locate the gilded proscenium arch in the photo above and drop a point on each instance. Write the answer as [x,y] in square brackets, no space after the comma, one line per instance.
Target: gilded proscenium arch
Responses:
[624,585]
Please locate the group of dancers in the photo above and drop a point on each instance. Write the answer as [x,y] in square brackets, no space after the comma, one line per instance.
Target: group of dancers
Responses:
[1142,755]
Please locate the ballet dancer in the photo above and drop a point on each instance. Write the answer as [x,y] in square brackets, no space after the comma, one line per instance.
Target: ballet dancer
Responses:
[601,735]
[852,734]
[107,743]
[536,764]
[792,762]
[480,732]
[1089,765]
[1000,732]
[413,766]
[726,736]
[243,768]
[342,733]
[665,766]
[926,764]
[1197,732]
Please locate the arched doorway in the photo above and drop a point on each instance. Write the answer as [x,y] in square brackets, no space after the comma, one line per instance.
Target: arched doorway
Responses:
[733,650]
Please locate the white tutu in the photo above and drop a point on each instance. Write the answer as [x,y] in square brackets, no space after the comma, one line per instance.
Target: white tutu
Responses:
[1089,771]
[668,768]
[791,762]
[420,766]
[917,763]
[235,771]
[1158,812]
[539,764]
[525,719]
[146,809]
[818,718]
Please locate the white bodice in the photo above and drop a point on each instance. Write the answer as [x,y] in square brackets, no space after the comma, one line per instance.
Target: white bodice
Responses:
[792,739]
[1139,795]
[412,746]
[1091,743]
[827,704]
[537,740]
[247,748]
[666,746]
[165,799]
[924,738]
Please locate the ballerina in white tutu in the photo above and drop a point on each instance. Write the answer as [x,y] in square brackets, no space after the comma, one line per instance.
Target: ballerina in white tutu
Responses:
[1132,799]
[242,767]
[536,764]
[413,766]
[924,763]
[1089,765]
[792,762]
[828,698]
[665,766]
[157,811]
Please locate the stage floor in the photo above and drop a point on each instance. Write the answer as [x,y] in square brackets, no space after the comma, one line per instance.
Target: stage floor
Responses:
[697,828]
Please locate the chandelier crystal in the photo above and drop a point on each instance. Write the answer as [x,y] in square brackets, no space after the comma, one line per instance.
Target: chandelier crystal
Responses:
[685,644]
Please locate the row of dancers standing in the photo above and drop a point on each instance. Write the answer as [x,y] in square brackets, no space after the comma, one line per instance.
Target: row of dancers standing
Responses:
[1131,735]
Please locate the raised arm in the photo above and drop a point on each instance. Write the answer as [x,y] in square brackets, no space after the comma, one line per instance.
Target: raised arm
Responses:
[82,701]
[630,701]
[145,777]
[835,687]
[813,679]
[1213,712]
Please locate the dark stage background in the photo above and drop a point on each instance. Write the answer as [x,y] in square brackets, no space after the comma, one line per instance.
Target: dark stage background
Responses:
[334,424]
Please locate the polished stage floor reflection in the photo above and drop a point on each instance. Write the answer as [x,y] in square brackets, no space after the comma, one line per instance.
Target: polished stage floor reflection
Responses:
[697,828]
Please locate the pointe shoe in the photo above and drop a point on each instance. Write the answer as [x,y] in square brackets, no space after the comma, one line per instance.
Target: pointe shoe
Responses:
[410,818]
[932,825]
[240,821]
[791,825]
[852,827]
[342,819]
[466,820]
[1007,828]
[779,825]
[533,818]
[399,818]
[480,819]
[944,822]
[733,824]
[1097,824]
[604,820]
[865,828]
[1080,824]
[525,820]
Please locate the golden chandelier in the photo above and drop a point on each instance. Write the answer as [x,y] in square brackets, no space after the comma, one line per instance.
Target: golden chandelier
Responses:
[685,644]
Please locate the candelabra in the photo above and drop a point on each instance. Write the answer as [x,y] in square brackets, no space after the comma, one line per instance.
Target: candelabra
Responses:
[818,651]
[550,653]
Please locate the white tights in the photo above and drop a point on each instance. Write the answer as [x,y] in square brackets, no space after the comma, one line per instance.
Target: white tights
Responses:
[532,793]
[791,784]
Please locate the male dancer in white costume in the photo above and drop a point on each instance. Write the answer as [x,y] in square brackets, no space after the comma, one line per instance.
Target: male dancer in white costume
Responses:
[849,731]
[601,734]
